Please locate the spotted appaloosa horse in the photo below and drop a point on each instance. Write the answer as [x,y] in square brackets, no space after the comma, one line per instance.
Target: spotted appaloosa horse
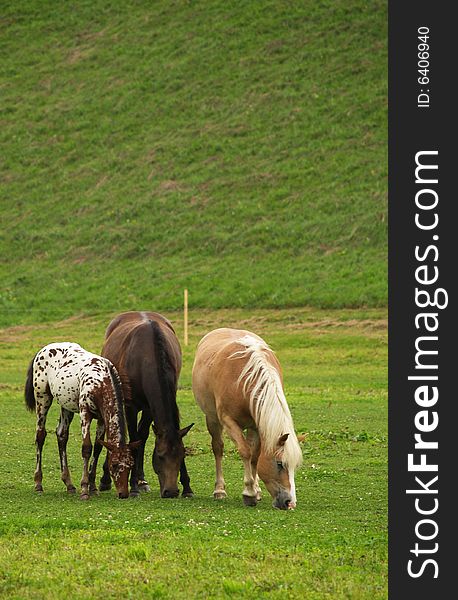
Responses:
[87,384]
[237,382]
[145,349]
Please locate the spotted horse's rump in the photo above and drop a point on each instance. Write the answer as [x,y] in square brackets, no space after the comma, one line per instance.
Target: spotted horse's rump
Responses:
[87,384]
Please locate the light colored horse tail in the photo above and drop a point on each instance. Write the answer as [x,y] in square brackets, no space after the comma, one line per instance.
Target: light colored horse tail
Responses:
[28,391]
[267,399]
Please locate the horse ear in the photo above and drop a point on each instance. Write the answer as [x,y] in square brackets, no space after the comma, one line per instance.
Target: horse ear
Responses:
[135,444]
[185,430]
[108,445]
[282,439]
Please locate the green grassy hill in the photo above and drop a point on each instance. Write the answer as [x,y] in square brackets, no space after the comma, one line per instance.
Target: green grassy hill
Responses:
[234,148]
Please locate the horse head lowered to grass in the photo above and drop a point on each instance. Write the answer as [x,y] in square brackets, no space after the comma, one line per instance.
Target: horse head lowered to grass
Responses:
[237,382]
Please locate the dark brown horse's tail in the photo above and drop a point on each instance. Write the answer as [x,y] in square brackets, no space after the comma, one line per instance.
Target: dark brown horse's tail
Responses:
[28,391]
[166,374]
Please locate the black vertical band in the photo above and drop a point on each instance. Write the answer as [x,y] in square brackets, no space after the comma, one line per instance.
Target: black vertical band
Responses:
[422,132]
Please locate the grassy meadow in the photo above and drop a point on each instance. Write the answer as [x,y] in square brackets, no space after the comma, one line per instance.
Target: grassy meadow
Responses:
[234,148]
[334,545]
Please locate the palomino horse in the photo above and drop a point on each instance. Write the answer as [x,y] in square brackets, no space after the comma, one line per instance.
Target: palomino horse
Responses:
[144,348]
[237,382]
[87,384]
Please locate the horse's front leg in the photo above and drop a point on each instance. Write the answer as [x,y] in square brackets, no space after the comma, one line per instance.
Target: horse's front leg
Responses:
[42,403]
[105,480]
[235,433]
[143,433]
[254,440]
[185,481]
[131,417]
[86,451]
[97,450]
[216,431]
[66,417]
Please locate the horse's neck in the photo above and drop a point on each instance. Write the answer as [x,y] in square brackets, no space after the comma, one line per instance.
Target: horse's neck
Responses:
[165,410]
[114,424]
[164,418]
[270,410]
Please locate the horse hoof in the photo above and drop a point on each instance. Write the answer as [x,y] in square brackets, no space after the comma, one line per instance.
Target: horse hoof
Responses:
[71,490]
[39,489]
[104,487]
[84,496]
[134,493]
[94,492]
[249,500]
[187,494]
[144,487]
[219,495]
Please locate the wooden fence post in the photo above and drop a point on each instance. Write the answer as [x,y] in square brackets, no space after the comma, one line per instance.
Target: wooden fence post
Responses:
[185,317]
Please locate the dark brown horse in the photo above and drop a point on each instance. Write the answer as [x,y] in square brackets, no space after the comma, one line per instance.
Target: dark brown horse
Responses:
[144,348]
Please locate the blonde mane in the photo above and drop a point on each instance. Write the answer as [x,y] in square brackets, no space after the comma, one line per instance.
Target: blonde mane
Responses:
[267,400]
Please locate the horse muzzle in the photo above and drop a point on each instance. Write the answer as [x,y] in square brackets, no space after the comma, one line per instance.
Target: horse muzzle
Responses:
[170,493]
[283,501]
